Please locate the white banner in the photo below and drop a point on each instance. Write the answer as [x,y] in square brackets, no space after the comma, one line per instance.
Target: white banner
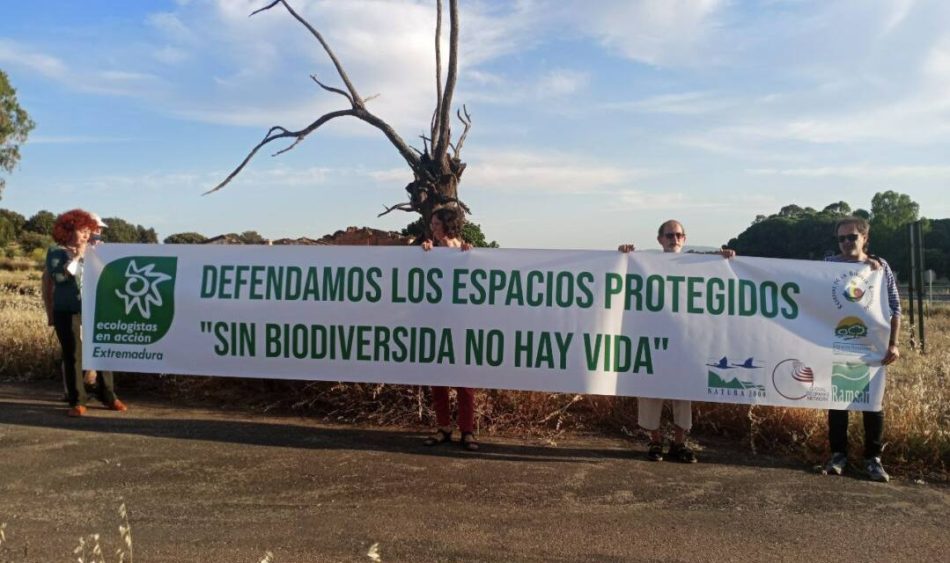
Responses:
[683,326]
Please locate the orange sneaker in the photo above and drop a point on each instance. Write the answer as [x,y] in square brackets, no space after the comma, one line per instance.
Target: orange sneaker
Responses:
[78,410]
[118,405]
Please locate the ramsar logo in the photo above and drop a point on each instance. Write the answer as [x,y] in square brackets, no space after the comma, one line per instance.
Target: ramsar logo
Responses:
[851,328]
[135,300]
[850,382]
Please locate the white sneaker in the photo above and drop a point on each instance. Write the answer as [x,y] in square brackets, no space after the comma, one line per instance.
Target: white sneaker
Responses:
[876,470]
[837,464]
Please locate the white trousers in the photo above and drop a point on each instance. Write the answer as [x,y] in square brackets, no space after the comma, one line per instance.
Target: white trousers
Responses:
[649,411]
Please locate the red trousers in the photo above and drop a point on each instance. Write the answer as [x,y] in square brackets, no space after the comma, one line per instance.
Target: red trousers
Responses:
[466,402]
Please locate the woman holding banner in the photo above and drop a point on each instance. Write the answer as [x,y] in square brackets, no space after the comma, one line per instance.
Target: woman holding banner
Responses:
[446,227]
[64,265]
[852,236]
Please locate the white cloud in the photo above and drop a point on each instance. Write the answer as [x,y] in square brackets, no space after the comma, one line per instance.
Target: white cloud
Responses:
[899,10]
[99,81]
[561,82]
[74,139]
[196,183]
[532,171]
[861,171]
[392,175]
[656,32]
[684,103]
[171,55]
[546,172]
[171,26]
[16,54]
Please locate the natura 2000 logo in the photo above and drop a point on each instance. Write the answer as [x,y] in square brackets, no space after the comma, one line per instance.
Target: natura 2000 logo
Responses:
[135,300]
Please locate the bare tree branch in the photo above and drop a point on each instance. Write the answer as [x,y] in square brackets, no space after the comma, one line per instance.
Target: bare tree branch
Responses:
[332,89]
[407,206]
[281,133]
[410,157]
[467,122]
[435,175]
[357,100]
[267,7]
[445,130]
[438,70]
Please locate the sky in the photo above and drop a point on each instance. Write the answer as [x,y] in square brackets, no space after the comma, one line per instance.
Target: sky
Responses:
[593,121]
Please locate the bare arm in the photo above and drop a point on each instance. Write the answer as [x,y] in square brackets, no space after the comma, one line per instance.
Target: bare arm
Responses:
[893,350]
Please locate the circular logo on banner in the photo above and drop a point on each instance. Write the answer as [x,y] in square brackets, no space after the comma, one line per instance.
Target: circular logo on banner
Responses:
[793,379]
[851,328]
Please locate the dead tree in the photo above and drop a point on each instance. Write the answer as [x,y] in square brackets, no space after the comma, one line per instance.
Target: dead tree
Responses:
[437,168]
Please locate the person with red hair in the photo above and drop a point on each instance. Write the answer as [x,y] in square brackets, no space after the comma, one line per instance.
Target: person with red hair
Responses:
[64,265]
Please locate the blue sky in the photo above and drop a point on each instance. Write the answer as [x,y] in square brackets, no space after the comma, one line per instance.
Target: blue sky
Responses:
[593,121]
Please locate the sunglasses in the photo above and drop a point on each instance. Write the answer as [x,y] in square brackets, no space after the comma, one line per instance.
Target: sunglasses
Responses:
[671,236]
[850,238]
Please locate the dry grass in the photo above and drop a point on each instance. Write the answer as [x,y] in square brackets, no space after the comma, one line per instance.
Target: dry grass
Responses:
[28,347]
[917,399]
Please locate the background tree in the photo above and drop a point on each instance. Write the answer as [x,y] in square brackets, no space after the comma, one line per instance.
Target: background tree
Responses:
[937,247]
[8,232]
[839,209]
[42,222]
[16,220]
[30,241]
[793,232]
[471,233]
[185,238]
[252,237]
[891,212]
[146,236]
[120,230]
[806,234]
[15,127]
[437,167]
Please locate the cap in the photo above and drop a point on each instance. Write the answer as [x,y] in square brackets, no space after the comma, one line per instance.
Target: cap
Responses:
[98,220]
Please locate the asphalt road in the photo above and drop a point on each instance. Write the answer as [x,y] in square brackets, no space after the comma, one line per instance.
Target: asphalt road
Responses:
[210,486]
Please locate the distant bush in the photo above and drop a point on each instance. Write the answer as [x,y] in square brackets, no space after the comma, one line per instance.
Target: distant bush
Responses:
[35,241]
[185,238]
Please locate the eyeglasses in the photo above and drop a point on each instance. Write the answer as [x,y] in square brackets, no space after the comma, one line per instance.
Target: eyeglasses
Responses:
[850,238]
[671,236]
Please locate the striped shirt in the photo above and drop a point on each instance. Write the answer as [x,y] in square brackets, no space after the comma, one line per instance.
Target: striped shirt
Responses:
[893,298]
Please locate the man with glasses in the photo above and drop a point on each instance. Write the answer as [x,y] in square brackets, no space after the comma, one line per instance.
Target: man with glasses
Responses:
[852,236]
[672,237]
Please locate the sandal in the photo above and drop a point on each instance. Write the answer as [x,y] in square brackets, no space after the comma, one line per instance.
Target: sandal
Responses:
[439,437]
[469,442]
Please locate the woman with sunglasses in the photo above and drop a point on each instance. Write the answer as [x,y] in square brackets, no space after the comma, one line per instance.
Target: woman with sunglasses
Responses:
[852,237]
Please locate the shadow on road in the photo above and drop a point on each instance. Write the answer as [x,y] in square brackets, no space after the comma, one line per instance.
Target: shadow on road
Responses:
[37,406]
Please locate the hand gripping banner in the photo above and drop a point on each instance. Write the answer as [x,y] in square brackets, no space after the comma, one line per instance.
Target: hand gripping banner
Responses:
[679,326]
